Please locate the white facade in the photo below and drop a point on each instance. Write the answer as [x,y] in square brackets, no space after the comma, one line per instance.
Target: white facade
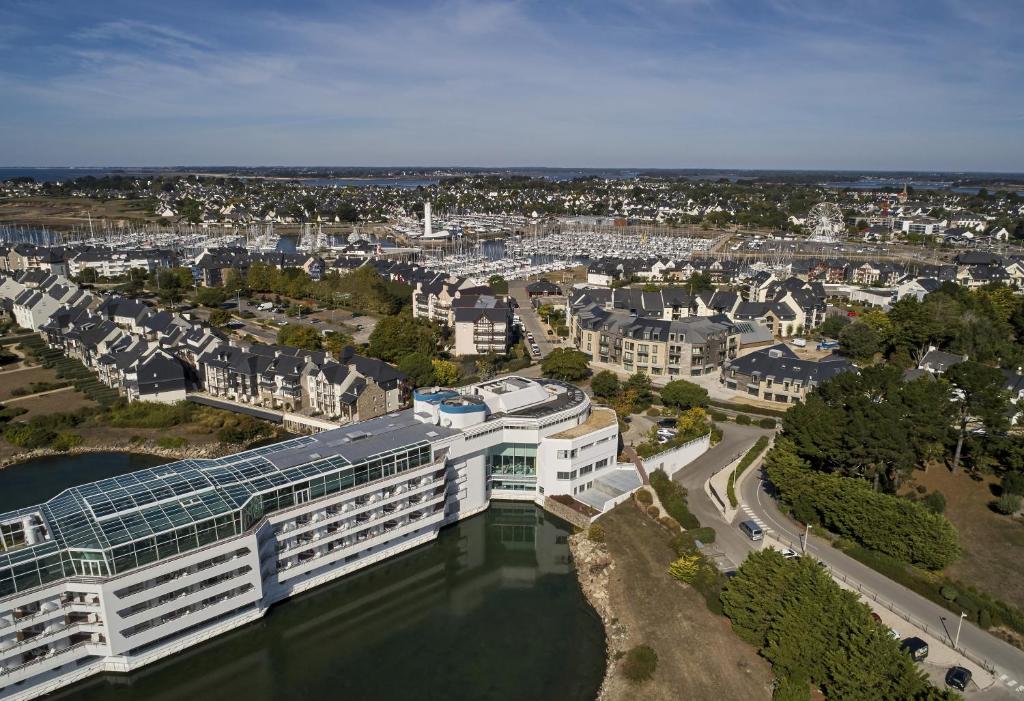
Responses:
[114,575]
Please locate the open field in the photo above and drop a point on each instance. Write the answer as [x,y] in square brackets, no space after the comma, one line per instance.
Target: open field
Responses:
[12,380]
[993,544]
[74,212]
[699,657]
[53,402]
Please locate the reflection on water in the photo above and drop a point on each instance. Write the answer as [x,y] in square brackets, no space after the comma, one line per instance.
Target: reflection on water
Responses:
[491,610]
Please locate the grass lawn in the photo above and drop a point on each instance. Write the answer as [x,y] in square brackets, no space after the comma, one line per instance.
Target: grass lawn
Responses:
[10,381]
[993,544]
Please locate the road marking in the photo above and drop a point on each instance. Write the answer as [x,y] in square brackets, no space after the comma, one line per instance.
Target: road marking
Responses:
[1012,683]
[1002,677]
[1020,688]
[750,514]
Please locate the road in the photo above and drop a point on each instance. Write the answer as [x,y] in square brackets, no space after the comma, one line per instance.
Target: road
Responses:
[732,546]
[532,322]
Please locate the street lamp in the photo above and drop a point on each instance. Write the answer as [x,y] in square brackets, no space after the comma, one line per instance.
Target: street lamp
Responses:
[959,625]
[807,535]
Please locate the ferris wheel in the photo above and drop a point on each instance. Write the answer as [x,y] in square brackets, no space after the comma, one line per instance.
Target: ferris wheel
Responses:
[825,221]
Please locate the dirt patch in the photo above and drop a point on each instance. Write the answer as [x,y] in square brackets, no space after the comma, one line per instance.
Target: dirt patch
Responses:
[51,403]
[71,212]
[699,657]
[993,544]
[11,380]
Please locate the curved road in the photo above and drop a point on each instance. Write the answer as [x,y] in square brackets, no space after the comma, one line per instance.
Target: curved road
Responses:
[732,547]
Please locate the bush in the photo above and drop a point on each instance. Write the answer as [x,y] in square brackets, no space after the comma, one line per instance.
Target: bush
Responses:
[644,497]
[66,441]
[596,533]
[743,420]
[150,415]
[949,593]
[653,412]
[705,534]
[1013,483]
[172,442]
[1008,504]
[766,423]
[640,663]
[673,498]
[686,568]
[28,436]
[718,415]
[653,511]
[745,462]
[935,502]
[669,523]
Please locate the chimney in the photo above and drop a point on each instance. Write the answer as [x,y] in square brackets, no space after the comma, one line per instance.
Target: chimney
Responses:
[427,226]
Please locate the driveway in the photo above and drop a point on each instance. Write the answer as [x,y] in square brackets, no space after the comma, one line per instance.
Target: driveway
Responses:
[532,322]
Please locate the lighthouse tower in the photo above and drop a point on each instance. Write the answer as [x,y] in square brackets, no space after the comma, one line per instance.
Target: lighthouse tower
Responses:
[428,228]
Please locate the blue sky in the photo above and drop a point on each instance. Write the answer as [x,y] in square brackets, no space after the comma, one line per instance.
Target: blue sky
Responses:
[856,84]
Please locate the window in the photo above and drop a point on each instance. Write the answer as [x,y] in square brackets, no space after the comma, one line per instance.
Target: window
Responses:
[586,470]
[564,475]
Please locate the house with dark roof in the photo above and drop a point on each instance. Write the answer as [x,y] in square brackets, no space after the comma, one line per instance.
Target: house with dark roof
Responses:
[777,374]
[937,362]
[482,323]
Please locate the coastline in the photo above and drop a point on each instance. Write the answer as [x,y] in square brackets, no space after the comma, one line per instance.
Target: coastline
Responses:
[147,448]
[593,565]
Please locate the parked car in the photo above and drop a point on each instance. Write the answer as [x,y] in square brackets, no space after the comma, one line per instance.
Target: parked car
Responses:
[667,432]
[958,678]
[790,554]
[917,648]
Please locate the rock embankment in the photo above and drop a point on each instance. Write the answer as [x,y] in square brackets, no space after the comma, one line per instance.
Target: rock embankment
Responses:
[190,451]
[594,566]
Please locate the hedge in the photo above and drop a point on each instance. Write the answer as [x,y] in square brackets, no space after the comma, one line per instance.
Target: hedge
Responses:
[673,498]
[745,462]
[748,408]
[901,528]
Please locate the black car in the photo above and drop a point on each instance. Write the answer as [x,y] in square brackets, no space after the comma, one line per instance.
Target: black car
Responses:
[917,648]
[958,678]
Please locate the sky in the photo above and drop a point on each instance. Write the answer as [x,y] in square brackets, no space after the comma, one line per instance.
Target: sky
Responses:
[802,84]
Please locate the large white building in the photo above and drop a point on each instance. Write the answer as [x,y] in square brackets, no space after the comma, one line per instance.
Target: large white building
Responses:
[115,574]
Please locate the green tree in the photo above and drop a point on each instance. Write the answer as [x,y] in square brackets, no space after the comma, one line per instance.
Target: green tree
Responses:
[980,396]
[88,276]
[396,336]
[419,369]
[684,395]
[605,384]
[833,326]
[859,341]
[499,284]
[212,297]
[446,373]
[336,342]
[565,364]
[640,382]
[300,336]
[220,317]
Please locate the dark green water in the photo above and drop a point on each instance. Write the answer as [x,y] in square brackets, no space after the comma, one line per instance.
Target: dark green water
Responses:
[490,611]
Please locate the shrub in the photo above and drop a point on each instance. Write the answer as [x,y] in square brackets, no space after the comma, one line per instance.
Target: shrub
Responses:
[653,411]
[66,441]
[28,436]
[718,415]
[743,419]
[1008,504]
[920,489]
[1013,483]
[669,523]
[949,593]
[644,497]
[935,502]
[172,442]
[640,663]
[653,511]
[151,415]
[766,423]
[673,498]
[596,533]
[705,535]
[685,569]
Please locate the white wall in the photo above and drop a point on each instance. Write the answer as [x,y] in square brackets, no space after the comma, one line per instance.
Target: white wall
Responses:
[671,461]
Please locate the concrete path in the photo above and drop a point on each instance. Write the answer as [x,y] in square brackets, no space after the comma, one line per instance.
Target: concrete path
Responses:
[11,400]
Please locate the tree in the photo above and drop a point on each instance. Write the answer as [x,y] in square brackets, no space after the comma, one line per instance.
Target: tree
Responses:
[212,297]
[446,373]
[605,384]
[833,326]
[860,341]
[692,423]
[336,342]
[565,364]
[220,317]
[419,368]
[699,281]
[299,336]
[640,382]
[396,336]
[684,395]
[88,276]
[499,284]
[980,396]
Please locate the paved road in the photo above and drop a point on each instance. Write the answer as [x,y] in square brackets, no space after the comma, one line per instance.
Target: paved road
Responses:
[532,322]
[1004,657]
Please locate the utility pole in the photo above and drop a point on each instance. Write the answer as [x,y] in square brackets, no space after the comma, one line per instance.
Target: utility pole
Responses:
[959,625]
[807,536]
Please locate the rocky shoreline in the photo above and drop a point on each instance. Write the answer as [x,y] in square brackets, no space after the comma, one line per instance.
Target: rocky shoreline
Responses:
[148,448]
[594,566]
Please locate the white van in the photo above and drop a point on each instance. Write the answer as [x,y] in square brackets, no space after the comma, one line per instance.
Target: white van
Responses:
[266,306]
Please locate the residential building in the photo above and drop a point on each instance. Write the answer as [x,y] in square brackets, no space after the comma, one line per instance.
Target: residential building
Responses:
[777,374]
[483,324]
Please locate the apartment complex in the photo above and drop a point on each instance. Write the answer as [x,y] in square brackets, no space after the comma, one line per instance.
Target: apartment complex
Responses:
[481,321]
[116,574]
[777,374]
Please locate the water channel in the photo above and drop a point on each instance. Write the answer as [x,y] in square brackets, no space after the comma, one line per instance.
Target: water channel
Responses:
[490,611]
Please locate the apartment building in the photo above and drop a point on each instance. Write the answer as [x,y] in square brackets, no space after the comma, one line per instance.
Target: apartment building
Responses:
[120,573]
[777,374]
[482,323]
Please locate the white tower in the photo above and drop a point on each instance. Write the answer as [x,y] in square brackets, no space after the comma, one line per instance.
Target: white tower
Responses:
[427,227]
